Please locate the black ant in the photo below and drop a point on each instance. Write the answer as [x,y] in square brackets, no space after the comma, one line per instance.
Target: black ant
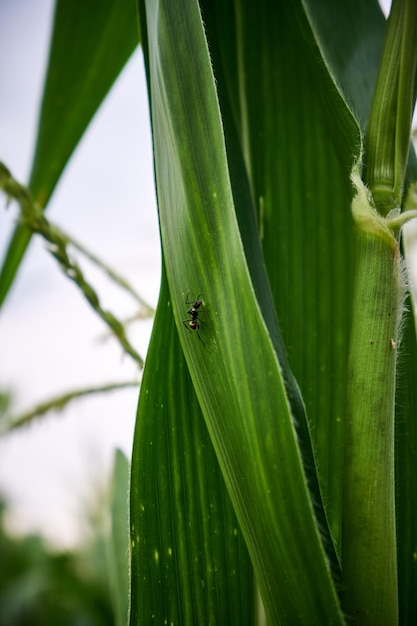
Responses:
[193,322]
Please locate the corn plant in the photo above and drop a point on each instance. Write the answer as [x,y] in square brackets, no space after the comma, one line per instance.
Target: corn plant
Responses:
[274,462]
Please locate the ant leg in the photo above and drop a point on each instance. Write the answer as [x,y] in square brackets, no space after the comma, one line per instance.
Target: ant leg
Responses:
[198,335]
[192,301]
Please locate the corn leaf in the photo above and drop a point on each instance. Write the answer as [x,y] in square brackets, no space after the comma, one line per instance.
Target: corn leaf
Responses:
[299,167]
[189,561]
[232,362]
[353,55]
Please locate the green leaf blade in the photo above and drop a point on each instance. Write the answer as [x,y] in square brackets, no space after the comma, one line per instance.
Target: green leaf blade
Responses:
[302,139]
[234,368]
[189,561]
[84,62]
[389,128]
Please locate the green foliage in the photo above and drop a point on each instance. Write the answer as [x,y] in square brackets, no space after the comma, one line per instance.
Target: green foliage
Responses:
[33,218]
[388,133]
[40,587]
[83,64]
[251,433]
[187,548]
[118,543]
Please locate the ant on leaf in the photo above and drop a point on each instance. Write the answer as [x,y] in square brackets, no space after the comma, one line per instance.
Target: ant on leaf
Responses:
[194,322]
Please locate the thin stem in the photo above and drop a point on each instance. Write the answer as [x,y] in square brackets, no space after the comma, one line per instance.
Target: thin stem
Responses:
[146,309]
[58,403]
[33,218]
[369,562]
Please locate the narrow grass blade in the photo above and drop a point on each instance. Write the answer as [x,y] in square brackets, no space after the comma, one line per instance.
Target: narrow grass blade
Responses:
[91,43]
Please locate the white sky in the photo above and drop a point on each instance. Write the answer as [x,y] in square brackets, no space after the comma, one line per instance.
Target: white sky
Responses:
[50,340]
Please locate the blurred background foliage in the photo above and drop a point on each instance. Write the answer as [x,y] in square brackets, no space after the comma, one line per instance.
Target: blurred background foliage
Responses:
[40,585]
